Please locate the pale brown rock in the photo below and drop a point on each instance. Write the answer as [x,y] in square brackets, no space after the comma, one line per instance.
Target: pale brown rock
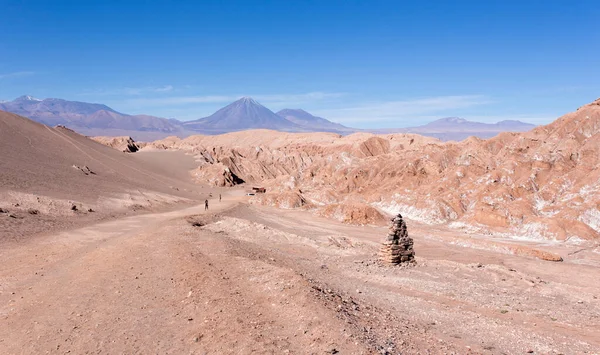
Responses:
[124,143]
[542,184]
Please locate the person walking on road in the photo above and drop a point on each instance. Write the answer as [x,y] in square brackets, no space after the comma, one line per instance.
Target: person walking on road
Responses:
[205,205]
[219,197]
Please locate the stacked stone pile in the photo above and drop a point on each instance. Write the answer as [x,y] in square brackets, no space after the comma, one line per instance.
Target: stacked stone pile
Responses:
[398,247]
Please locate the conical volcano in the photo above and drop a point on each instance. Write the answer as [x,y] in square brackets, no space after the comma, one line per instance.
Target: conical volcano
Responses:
[245,113]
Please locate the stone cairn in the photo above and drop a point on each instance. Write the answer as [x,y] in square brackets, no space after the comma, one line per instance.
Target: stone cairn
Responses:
[398,247]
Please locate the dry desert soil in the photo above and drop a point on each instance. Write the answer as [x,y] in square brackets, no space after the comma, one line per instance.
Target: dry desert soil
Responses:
[150,271]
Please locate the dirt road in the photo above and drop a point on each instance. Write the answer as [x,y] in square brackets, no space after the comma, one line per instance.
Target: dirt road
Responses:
[239,279]
[151,284]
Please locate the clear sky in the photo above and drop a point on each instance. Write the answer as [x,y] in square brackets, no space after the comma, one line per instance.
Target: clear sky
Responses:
[360,63]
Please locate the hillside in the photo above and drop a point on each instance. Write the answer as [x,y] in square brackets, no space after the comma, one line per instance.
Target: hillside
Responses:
[61,176]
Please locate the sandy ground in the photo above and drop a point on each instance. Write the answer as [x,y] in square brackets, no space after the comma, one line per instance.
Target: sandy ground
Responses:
[54,179]
[243,279]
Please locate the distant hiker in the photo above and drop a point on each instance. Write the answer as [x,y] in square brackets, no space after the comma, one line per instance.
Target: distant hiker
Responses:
[205,205]
[219,197]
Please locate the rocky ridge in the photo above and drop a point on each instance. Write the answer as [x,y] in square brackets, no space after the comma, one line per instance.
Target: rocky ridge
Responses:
[538,185]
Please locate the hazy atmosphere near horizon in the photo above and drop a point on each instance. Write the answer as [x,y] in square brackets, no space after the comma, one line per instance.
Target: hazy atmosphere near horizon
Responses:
[364,64]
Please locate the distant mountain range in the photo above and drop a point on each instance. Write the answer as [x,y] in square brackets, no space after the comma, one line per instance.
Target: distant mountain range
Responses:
[455,124]
[243,114]
[457,129]
[89,118]
[247,113]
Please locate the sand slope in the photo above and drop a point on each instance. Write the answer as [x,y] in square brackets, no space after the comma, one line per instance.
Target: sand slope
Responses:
[47,173]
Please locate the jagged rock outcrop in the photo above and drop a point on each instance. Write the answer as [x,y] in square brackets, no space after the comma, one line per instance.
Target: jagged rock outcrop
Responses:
[539,185]
[124,144]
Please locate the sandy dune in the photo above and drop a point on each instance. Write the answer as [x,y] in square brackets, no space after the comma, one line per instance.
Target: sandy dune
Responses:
[50,178]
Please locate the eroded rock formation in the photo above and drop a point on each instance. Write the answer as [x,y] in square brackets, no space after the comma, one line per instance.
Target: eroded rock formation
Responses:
[539,185]
[124,143]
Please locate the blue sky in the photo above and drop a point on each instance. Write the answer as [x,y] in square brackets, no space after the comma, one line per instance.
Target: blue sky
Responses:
[360,63]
